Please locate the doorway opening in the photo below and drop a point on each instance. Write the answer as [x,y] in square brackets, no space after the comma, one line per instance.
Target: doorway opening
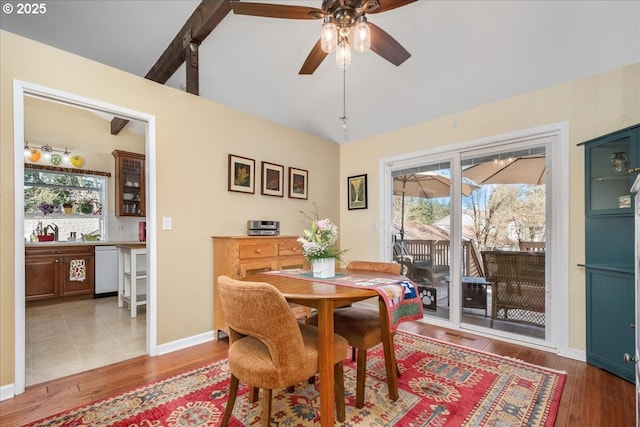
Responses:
[24,90]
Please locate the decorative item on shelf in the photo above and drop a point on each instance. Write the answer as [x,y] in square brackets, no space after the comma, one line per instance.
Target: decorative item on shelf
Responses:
[317,245]
[619,163]
[624,202]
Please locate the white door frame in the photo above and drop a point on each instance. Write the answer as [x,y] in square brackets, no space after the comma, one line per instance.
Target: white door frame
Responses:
[558,241]
[20,90]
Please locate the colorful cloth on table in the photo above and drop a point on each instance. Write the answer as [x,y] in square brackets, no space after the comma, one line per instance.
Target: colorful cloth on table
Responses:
[399,294]
[77,270]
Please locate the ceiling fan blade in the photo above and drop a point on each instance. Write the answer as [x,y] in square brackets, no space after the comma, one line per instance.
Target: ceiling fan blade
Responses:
[315,58]
[276,10]
[386,46]
[391,4]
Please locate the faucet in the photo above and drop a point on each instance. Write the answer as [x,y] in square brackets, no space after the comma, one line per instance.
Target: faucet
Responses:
[53,228]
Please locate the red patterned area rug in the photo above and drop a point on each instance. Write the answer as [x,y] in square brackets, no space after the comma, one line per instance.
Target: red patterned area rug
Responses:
[441,385]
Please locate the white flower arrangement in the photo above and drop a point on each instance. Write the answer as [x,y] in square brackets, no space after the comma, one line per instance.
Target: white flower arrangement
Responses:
[317,243]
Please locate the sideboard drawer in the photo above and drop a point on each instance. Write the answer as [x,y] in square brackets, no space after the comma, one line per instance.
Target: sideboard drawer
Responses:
[289,247]
[258,250]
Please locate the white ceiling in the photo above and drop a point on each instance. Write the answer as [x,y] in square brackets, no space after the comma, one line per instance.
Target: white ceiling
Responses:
[464,54]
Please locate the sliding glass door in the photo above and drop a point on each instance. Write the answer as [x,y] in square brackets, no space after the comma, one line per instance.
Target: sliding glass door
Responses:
[471,228]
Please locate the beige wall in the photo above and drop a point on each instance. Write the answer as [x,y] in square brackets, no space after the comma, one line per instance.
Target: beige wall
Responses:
[194,137]
[592,107]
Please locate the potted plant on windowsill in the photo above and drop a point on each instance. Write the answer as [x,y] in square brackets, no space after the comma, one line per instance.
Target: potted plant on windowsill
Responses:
[67,207]
[86,206]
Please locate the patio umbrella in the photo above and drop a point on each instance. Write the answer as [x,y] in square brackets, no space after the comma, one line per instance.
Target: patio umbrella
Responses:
[520,170]
[427,185]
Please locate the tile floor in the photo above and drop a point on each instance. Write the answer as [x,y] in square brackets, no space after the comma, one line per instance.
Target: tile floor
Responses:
[64,338]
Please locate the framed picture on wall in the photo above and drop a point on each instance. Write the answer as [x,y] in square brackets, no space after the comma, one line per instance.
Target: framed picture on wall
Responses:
[272,179]
[298,183]
[242,176]
[357,192]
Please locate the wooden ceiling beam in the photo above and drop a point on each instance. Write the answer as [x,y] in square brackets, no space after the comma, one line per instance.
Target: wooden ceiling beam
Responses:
[184,45]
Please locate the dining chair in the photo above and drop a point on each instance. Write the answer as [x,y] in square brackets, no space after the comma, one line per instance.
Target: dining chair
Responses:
[268,348]
[360,326]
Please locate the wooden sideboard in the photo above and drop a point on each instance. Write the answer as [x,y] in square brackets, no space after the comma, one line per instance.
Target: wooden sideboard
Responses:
[238,257]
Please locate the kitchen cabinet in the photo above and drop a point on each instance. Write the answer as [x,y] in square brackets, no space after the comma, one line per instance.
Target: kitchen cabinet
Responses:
[611,165]
[59,271]
[130,185]
[238,257]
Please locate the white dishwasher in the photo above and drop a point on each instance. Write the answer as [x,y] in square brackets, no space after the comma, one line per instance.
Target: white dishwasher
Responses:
[106,283]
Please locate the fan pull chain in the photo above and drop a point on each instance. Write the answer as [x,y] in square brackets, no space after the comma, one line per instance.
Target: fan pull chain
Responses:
[344,99]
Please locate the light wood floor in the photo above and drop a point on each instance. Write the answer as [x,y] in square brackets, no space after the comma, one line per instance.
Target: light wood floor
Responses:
[591,397]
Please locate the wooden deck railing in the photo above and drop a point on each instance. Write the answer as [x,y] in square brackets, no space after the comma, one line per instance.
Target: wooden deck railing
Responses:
[437,251]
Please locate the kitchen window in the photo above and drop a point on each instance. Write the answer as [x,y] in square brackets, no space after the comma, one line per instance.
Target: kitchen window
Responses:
[64,204]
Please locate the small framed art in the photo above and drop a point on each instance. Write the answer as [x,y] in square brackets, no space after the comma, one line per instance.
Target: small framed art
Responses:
[242,176]
[298,183]
[357,192]
[272,179]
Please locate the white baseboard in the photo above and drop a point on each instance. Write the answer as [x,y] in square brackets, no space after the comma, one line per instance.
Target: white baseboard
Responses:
[7,392]
[572,353]
[185,343]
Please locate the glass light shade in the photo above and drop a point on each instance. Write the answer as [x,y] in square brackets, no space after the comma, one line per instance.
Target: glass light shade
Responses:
[66,155]
[343,54]
[329,37]
[27,150]
[46,151]
[362,36]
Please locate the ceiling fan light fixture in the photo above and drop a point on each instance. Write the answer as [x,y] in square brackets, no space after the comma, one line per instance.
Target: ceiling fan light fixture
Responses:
[343,54]
[362,35]
[329,35]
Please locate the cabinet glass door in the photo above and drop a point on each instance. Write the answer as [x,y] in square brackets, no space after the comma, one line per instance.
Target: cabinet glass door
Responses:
[609,180]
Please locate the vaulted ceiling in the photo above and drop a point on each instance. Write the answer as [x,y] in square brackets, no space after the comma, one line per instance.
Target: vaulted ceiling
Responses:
[463,54]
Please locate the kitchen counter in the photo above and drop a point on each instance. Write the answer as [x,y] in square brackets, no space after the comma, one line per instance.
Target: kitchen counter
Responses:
[83,243]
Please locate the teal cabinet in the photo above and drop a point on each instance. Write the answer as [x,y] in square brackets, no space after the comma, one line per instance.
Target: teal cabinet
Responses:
[612,163]
[610,321]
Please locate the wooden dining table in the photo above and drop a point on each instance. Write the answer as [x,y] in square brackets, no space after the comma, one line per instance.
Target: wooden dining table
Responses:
[326,297]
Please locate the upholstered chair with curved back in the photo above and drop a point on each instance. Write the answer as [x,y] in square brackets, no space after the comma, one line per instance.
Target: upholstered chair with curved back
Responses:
[360,326]
[268,348]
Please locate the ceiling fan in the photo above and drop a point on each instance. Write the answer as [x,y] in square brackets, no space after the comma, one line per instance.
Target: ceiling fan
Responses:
[345,22]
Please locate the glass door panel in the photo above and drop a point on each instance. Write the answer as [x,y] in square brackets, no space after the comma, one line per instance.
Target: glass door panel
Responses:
[422,224]
[504,225]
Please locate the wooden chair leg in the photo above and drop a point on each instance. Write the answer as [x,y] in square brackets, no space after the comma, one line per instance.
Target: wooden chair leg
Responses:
[291,389]
[338,380]
[231,400]
[361,374]
[266,407]
[253,394]
[353,354]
